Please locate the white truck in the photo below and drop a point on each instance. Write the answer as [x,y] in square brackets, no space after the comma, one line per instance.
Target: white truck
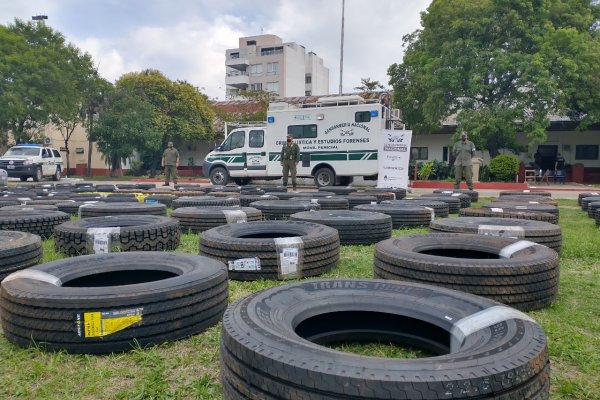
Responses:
[32,160]
[338,139]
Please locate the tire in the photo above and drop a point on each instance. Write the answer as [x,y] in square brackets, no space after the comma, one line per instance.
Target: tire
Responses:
[473,194]
[585,201]
[277,189]
[338,190]
[525,192]
[403,216]
[41,223]
[241,181]
[465,199]
[165,199]
[324,177]
[172,295]
[135,233]
[282,209]
[57,175]
[440,208]
[105,209]
[273,344]
[354,201]
[354,227]
[18,250]
[543,233]
[587,194]
[320,247]
[6,202]
[381,196]
[121,198]
[38,175]
[306,195]
[106,188]
[70,207]
[200,219]
[246,200]
[502,213]
[529,199]
[23,178]
[219,176]
[591,208]
[511,206]
[204,201]
[31,207]
[453,203]
[326,203]
[526,279]
[399,193]
[145,186]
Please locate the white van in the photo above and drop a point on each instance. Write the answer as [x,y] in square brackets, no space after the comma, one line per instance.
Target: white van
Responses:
[32,160]
[338,139]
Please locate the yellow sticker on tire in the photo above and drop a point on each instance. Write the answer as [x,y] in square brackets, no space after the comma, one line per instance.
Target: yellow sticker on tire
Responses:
[103,323]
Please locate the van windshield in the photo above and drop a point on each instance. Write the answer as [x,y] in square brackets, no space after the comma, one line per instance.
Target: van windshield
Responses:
[23,151]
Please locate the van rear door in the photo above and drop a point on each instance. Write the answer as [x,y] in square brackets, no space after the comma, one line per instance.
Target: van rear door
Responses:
[256,153]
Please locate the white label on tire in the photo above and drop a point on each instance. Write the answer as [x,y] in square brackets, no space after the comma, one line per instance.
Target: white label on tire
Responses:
[245,264]
[447,192]
[290,257]
[496,209]
[456,194]
[34,274]
[521,208]
[432,211]
[314,201]
[509,250]
[100,239]
[526,191]
[533,202]
[480,320]
[515,232]
[234,216]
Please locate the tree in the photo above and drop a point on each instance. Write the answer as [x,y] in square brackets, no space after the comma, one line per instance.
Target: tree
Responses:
[498,67]
[95,97]
[368,86]
[40,78]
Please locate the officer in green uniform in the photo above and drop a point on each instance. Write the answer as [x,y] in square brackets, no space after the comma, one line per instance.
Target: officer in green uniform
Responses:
[170,161]
[463,151]
[290,155]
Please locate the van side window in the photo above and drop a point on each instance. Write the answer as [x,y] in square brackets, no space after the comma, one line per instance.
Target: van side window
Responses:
[256,139]
[56,153]
[362,116]
[46,153]
[235,140]
[302,131]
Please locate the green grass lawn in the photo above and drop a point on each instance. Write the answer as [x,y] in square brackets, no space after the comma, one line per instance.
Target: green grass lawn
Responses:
[190,368]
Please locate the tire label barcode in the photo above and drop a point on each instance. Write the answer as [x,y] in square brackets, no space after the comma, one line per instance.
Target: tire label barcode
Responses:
[245,264]
[103,323]
[289,261]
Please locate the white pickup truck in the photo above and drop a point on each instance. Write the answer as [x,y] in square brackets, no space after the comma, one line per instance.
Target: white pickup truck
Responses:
[32,160]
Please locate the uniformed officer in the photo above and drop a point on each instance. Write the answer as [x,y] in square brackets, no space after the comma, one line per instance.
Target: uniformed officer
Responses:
[170,161]
[463,152]
[290,155]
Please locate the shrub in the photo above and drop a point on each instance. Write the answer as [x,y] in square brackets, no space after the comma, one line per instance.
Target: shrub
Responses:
[425,170]
[441,170]
[504,167]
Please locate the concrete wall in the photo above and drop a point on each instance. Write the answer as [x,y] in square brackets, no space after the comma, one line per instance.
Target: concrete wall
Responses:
[291,83]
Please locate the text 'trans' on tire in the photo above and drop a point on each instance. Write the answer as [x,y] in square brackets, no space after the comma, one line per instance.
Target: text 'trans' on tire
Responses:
[18,250]
[519,273]
[354,227]
[111,302]
[272,249]
[117,234]
[274,344]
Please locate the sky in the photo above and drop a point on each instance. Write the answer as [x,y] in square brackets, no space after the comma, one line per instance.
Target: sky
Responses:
[187,39]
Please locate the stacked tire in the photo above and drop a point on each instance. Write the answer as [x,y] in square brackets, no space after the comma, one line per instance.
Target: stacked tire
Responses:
[38,222]
[200,219]
[403,216]
[282,209]
[106,209]
[18,250]
[498,212]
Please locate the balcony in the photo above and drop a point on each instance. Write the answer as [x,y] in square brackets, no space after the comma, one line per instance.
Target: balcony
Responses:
[237,79]
[237,62]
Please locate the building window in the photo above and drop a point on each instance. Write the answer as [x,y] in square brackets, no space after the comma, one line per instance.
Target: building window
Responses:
[255,86]
[273,87]
[256,70]
[256,139]
[273,68]
[445,153]
[267,51]
[302,131]
[586,152]
[234,55]
[308,93]
[362,116]
[419,153]
[250,42]
[308,79]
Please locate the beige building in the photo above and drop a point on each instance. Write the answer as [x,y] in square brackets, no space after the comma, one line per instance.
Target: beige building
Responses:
[264,62]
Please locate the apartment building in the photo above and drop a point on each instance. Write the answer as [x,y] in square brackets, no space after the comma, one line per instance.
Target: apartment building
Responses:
[264,62]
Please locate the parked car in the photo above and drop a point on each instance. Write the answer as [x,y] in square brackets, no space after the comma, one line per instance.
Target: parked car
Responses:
[32,160]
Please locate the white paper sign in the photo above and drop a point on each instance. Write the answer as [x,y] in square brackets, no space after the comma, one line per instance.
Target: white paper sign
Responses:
[245,264]
[289,261]
[393,155]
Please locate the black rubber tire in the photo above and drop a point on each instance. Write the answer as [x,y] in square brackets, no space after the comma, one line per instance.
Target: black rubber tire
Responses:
[585,201]
[41,223]
[136,233]
[354,201]
[307,195]
[221,188]
[591,208]
[403,216]
[326,203]
[526,280]
[523,207]
[277,189]
[587,194]
[465,198]
[191,186]
[177,295]
[246,200]
[321,246]
[224,194]
[205,201]
[529,199]
[121,186]
[273,345]
[9,202]
[105,209]
[441,208]
[544,233]
[502,213]
[71,207]
[106,188]
[31,207]
[200,219]
[324,177]
[282,209]
[354,227]
[399,193]
[145,186]
[165,199]
[473,194]
[241,181]
[219,176]
[453,203]
[121,198]
[525,192]
[343,190]
[38,176]
[597,216]
[18,250]
[86,197]
[23,178]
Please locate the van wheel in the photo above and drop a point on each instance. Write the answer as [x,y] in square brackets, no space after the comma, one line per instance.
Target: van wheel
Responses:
[38,174]
[24,178]
[56,176]
[324,177]
[219,176]
[241,181]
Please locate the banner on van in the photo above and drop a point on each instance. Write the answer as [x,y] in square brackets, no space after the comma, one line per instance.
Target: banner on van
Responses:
[393,155]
